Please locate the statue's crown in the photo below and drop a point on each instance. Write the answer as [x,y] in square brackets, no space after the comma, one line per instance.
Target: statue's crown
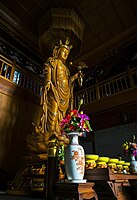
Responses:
[66,45]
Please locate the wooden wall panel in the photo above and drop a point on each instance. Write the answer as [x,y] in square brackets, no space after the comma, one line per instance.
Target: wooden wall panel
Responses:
[113,138]
[16,116]
[120,115]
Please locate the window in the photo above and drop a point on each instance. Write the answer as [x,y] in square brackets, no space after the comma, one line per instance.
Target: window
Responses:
[6,70]
[16,77]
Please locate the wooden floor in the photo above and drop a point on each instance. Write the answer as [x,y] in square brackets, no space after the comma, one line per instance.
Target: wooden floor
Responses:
[13,197]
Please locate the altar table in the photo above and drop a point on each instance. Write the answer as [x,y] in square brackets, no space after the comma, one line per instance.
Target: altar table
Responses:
[109,185]
[74,191]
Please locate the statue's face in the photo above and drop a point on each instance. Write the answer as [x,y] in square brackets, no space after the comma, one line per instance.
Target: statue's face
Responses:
[63,54]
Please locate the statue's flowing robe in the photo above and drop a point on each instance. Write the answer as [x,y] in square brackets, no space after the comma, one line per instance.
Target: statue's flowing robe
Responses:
[58,98]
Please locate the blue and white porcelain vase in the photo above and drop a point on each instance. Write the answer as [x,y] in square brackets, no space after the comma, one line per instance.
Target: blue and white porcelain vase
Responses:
[133,165]
[74,160]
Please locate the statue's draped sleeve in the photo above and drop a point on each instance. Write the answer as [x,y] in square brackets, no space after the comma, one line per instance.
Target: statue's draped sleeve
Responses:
[72,79]
[47,72]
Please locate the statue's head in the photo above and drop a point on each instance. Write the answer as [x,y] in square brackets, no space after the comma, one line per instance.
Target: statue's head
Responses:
[62,50]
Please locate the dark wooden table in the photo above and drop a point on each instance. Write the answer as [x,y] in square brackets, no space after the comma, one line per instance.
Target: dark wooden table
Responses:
[74,191]
[109,185]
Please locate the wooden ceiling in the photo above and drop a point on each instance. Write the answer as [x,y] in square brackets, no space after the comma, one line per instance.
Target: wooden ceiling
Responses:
[110,25]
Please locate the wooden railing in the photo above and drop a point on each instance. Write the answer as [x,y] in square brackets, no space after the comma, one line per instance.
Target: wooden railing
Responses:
[15,74]
[104,89]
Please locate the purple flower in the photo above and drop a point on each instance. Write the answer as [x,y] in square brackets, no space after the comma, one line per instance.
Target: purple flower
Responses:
[83,116]
[135,152]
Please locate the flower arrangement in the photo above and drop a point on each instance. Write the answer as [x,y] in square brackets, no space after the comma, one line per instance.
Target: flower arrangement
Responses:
[130,148]
[77,121]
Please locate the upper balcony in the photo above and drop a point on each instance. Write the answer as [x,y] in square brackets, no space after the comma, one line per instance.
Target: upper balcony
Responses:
[113,92]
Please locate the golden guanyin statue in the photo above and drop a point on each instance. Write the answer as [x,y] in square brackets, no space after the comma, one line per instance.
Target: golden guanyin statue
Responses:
[57,95]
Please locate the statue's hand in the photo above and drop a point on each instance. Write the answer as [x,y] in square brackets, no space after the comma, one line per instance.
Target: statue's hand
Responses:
[80,78]
[80,74]
[47,86]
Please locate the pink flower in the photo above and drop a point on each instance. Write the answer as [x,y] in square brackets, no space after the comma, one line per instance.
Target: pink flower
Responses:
[75,121]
